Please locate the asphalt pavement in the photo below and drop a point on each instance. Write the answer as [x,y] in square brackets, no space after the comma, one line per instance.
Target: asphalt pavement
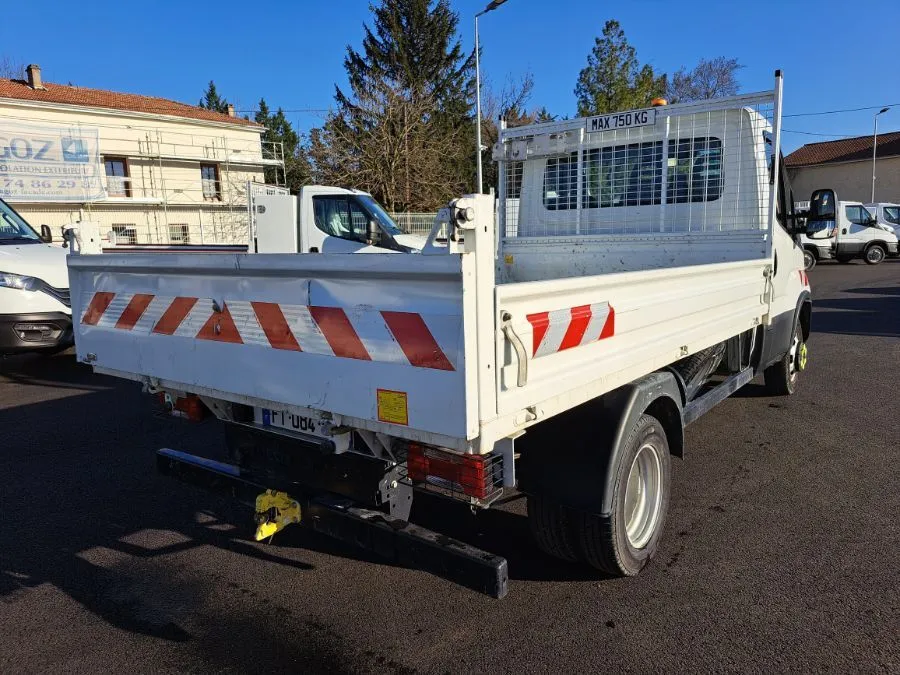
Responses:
[781,551]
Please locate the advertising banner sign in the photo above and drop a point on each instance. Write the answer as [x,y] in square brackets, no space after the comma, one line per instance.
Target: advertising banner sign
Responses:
[50,164]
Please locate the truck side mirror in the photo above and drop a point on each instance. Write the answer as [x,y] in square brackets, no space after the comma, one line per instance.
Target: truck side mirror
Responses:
[46,234]
[373,233]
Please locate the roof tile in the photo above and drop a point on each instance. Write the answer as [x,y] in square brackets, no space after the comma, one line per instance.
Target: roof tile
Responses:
[101,98]
[844,150]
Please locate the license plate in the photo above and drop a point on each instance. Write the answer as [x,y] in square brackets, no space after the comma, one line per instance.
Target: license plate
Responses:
[310,423]
[622,120]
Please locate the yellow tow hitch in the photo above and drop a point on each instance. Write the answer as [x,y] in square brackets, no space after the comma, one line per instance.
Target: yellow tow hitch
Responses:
[274,512]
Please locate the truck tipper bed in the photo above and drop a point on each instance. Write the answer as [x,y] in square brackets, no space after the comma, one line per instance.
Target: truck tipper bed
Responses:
[638,268]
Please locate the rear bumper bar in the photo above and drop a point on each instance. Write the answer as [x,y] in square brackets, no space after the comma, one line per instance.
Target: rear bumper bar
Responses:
[397,540]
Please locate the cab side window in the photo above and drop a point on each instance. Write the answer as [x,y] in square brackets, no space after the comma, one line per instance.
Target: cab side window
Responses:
[341,217]
[858,215]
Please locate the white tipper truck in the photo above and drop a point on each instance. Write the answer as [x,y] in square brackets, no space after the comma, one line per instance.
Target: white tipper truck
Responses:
[319,219]
[642,267]
[326,219]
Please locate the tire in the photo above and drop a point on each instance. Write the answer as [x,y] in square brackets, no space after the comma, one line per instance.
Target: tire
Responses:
[553,528]
[781,378]
[622,543]
[809,259]
[875,254]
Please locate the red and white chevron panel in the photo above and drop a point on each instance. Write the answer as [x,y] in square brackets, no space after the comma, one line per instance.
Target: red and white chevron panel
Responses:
[571,327]
[419,340]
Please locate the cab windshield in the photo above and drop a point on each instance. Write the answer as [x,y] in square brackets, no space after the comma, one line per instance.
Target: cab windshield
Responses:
[892,214]
[13,229]
[377,212]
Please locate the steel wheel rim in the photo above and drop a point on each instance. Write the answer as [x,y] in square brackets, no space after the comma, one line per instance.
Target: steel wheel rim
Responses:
[807,259]
[794,369]
[875,254]
[643,496]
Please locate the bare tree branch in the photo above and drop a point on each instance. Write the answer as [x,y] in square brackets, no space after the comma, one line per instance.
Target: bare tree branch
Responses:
[11,68]
[709,79]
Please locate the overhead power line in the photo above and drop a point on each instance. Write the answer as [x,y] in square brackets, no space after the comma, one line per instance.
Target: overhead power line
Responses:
[845,110]
[812,133]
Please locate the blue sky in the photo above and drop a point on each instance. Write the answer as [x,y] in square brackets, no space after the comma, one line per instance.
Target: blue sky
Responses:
[835,55]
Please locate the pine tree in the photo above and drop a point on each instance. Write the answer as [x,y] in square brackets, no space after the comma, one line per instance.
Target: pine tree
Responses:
[212,101]
[613,78]
[404,129]
[280,130]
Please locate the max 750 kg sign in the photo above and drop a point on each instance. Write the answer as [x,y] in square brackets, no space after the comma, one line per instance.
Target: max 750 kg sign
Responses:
[50,163]
[623,120]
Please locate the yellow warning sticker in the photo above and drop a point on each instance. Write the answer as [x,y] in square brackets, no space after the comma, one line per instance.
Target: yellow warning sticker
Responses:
[508,259]
[392,407]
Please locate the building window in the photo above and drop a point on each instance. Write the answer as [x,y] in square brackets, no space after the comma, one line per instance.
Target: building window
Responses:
[118,184]
[179,234]
[209,175]
[126,233]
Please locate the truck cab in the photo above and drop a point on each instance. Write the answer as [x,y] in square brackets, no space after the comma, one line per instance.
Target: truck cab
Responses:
[844,230]
[326,219]
[35,309]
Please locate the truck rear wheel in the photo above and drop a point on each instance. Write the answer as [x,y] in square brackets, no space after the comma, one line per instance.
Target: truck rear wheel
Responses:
[553,528]
[623,542]
[781,378]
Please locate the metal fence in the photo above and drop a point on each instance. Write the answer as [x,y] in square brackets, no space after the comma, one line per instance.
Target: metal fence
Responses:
[684,168]
[414,223]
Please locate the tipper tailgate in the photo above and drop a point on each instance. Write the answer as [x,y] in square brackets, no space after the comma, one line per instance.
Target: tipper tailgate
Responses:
[375,338]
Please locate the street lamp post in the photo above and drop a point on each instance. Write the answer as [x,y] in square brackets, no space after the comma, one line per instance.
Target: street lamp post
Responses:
[874,148]
[494,4]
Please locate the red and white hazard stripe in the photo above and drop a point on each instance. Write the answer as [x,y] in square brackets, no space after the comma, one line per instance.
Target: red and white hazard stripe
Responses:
[571,327]
[408,338]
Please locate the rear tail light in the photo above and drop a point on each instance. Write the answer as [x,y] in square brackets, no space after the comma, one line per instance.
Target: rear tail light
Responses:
[477,476]
[190,406]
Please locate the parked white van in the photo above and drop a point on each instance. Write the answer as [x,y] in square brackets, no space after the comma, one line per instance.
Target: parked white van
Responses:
[886,215]
[35,311]
[844,231]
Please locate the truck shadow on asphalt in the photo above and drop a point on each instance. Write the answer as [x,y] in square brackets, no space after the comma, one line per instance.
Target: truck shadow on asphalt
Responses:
[58,371]
[79,487]
[84,511]
[876,314]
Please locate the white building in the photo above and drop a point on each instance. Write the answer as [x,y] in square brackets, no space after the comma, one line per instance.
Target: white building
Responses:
[151,169]
[845,166]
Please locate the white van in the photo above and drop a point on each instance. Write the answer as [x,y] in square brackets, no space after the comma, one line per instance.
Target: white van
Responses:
[326,219]
[886,215]
[35,311]
[844,231]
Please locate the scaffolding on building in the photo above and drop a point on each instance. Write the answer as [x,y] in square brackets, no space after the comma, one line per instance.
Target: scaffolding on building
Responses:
[177,185]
